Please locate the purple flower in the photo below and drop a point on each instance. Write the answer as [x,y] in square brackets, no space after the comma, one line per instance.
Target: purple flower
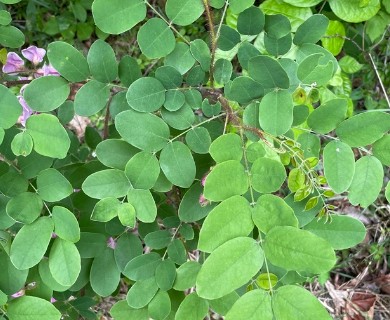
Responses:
[52,300]
[14,64]
[34,54]
[46,70]
[203,201]
[18,294]
[111,243]
[27,111]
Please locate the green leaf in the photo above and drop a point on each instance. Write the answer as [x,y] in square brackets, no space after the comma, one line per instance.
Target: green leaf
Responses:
[126,215]
[141,293]
[143,203]
[31,242]
[295,249]
[64,262]
[293,302]
[310,144]
[192,308]
[367,181]
[277,47]
[177,252]
[186,275]
[308,49]
[174,100]
[230,219]
[158,239]
[22,144]
[3,296]
[277,26]
[142,170]
[268,72]
[190,210]
[224,304]
[11,279]
[311,30]
[181,119]
[339,165]
[311,70]
[47,278]
[276,112]
[333,40]
[246,51]
[106,209]
[115,153]
[10,108]
[146,94]
[268,175]
[142,267]
[49,136]
[198,140]
[5,19]
[387,192]
[91,244]
[184,12]
[11,37]
[296,179]
[226,180]
[91,98]
[201,52]
[352,11]
[142,130]
[160,306]
[129,70]
[238,6]
[53,186]
[166,274]
[178,165]
[250,305]
[349,64]
[105,275]
[128,246]
[227,147]
[228,38]
[251,21]
[295,14]
[364,128]
[25,207]
[106,183]
[12,184]
[180,58]
[381,150]
[303,3]
[46,93]
[66,225]
[122,311]
[271,211]
[118,16]
[102,62]
[222,71]
[28,307]
[229,267]
[244,90]
[163,42]
[328,115]
[169,77]
[68,61]
[342,232]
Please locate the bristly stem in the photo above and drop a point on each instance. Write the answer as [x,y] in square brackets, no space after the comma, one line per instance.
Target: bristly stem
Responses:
[213,38]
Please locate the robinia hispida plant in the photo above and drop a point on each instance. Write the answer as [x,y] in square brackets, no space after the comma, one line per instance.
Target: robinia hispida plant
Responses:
[204,187]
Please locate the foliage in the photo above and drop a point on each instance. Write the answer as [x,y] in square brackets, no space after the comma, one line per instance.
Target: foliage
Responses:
[205,184]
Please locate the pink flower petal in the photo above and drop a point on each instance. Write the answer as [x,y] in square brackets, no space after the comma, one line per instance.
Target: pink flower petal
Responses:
[34,54]
[14,64]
